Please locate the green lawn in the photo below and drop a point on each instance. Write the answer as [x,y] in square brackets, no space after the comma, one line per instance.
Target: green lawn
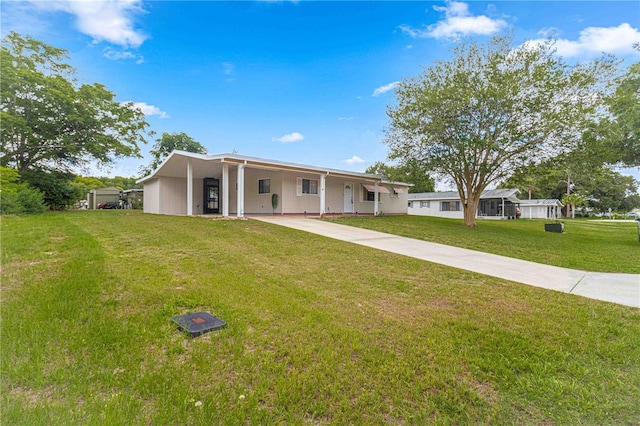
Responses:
[590,245]
[319,332]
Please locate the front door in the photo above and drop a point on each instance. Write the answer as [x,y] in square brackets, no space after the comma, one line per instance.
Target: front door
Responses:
[348,198]
[211,196]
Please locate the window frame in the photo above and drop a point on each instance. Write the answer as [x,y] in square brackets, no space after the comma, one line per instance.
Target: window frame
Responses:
[261,186]
[300,187]
[449,204]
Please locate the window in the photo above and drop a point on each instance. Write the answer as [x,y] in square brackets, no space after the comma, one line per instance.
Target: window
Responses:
[307,186]
[264,186]
[410,205]
[450,206]
[369,192]
[368,195]
[424,204]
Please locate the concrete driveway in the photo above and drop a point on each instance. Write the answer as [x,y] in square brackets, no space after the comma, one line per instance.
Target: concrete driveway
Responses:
[623,289]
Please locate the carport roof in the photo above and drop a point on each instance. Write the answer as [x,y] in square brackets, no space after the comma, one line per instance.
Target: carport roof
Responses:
[175,165]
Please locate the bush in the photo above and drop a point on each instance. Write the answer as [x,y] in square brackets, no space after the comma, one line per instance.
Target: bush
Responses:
[32,200]
[9,202]
[25,200]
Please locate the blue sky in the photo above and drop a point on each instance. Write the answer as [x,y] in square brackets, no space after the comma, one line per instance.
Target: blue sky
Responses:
[302,81]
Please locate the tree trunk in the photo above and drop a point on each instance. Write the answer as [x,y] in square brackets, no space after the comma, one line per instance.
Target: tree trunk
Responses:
[470,209]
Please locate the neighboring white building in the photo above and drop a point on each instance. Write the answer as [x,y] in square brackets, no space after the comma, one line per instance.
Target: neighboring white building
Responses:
[494,204]
[541,209]
[231,184]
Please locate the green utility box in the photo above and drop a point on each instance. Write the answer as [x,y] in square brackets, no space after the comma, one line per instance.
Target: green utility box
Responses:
[554,227]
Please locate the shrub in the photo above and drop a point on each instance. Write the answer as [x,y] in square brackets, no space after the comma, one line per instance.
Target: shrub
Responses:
[31,200]
[9,202]
[25,200]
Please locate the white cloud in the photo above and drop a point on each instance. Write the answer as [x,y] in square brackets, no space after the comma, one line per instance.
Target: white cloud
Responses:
[384,89]
[115,55]
[149,109]
[353,160]
[457,22]
[289,138]
[228,67]
[593,41]
[549,32]
[107,20]
[345,118]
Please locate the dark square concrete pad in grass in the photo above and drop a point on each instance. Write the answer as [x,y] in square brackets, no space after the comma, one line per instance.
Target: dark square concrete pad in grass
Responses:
[198,323]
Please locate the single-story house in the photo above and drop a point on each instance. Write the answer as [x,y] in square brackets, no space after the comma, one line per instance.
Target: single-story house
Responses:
[494,204]
[541,209]
[230,184]
[102,195]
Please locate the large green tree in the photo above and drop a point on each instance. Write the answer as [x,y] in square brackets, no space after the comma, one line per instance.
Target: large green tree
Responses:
[624,124]
[166,144]
[409,172]
[51,123]
[490,109]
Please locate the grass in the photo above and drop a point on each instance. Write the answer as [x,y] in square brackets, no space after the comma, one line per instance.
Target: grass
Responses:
[319,332]
[589,245]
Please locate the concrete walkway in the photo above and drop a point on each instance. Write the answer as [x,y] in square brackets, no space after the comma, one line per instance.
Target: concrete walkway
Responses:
[623,289]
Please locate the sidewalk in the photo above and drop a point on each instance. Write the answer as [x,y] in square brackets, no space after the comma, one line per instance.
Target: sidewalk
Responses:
[623,289]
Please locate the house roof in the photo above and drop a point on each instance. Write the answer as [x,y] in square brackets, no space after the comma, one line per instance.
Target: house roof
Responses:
[176,163]
[541,202]
[509,194]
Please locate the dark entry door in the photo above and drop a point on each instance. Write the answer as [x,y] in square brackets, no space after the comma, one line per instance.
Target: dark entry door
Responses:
[211,196]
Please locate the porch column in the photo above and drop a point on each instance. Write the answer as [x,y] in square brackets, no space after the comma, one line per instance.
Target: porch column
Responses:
[189,188]
[225,189]
[376,198]
[240,190]
[323,199]
[503,208]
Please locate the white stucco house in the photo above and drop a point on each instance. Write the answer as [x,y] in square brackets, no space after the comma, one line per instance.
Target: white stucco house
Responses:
[541,209]
[236,185]
[494,204]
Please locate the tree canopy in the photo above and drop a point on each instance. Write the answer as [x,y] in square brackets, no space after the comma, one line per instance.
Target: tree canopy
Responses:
[409,172]
[624,105]
[492,108]
[167,143]
[600,187]
[51,123]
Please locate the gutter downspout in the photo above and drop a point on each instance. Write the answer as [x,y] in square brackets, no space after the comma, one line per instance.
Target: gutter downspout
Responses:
[323,201]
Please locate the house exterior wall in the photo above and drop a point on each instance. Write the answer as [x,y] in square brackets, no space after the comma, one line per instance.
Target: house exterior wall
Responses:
[198,196]
[173,195]
[292,201]
[166,195]
[151,196]
[535,212]
[255,203]
[433,208]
